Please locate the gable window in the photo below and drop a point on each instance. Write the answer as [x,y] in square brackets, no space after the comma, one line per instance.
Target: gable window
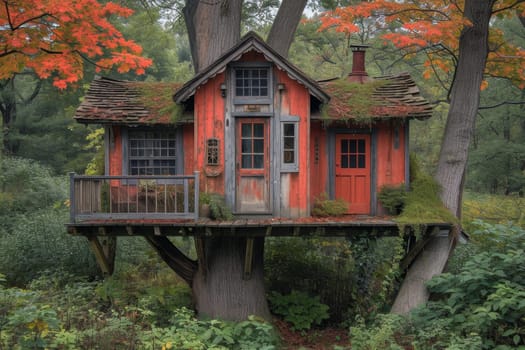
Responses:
[289,143]
[252,82]
[152,153]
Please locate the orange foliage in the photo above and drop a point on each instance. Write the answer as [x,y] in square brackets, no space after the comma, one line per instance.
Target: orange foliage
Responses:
[54,38]
[434,25]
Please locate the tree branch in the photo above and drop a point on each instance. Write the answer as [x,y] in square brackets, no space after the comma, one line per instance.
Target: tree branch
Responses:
[502,103]
[517,2]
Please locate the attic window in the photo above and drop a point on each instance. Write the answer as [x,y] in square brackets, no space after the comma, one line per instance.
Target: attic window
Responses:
[251,82]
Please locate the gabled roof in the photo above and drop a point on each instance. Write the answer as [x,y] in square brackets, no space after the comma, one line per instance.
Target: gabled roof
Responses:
[393,96]
[127,102]
[250,42]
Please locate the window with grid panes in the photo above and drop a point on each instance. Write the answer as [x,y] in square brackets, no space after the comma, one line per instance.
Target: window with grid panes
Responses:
[252,82]
[152,153]
[353,154]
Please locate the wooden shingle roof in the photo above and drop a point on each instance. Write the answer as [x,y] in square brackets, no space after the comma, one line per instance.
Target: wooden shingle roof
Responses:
[128,102]
[394,96]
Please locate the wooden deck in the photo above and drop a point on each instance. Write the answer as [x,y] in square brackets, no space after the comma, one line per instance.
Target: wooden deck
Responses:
[311,226]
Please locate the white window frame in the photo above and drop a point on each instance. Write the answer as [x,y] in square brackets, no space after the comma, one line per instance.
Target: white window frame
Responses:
[291,166]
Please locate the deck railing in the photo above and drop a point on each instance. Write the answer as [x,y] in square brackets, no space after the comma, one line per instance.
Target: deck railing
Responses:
[133,197]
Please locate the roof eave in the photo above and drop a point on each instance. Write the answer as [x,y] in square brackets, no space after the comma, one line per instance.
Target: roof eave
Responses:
[251,40]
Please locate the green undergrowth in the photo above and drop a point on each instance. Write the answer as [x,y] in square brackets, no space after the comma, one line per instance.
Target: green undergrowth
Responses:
[495,209]
[478,305]
[299,309]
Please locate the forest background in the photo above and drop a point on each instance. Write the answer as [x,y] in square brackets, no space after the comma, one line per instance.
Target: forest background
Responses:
[51,293]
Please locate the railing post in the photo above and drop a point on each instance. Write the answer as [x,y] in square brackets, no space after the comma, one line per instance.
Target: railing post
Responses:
[196,193]
[72,200]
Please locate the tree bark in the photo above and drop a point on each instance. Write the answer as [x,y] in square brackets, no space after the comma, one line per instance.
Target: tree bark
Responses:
[219,289]
[214,26]
[465,94]
[283,28]
[430,262]
[459,129]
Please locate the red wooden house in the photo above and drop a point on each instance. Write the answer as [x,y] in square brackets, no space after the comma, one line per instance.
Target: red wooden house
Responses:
[251,127]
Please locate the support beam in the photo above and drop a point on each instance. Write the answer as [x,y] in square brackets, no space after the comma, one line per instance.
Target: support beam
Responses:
[248,259]
[414,251]
[104,250]
[201,256]
[180,263]
[429,262]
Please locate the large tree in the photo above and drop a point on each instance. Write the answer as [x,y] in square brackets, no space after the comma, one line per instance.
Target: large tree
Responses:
[218,287]
[457,38]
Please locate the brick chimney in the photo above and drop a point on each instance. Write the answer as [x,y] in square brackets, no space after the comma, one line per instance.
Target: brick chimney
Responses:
[358,74]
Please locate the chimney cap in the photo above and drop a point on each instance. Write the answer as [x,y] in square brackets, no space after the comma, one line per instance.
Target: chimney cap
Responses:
[360,47]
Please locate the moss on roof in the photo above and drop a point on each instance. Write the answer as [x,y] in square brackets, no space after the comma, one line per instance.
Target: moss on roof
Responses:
[157,97]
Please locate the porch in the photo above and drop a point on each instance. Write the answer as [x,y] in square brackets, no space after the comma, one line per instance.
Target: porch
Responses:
[95,198]
[169,206]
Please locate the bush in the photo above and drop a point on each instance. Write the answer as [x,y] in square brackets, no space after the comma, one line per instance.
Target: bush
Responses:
[352,277]
[299,309]
[25,186]
[482,306]
[329,207]
[37,243]
[393,198]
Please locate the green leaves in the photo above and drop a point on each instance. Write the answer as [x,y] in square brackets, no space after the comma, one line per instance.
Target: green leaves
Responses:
[301,310]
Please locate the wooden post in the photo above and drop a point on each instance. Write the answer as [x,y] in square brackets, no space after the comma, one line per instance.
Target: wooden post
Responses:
[201,256]
[72,197]
[196,185]
[248,258]
[104,252]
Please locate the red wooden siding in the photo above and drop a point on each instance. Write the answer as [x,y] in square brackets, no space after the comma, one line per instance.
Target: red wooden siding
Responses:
[209,123]
[115,152]
[188,142]
[295,186]
[390,168]
[388,162]
[318,161]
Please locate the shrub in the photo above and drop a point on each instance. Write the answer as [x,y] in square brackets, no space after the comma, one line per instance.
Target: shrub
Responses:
[352,277]
[379,335]
[219,210]
[479,307]
[37,243]
[299,309]
[25,186]
[329,207]
[393,198]
[188,333]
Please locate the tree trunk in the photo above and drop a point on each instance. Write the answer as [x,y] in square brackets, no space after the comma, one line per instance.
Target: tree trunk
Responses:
[459,129]
[284,26]
[213,27]
[219,289]
[8,111]
[430,262]
[473,51]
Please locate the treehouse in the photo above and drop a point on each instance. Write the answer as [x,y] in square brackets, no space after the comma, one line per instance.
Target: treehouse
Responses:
[257,131]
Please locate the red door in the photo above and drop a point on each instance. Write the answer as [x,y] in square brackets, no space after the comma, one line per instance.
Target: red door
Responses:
[352,171]
[252,166]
